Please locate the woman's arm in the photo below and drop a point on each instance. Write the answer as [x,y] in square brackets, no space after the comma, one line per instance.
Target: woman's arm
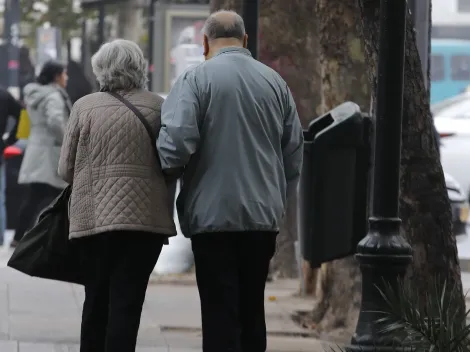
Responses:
[68,152]
[54,110]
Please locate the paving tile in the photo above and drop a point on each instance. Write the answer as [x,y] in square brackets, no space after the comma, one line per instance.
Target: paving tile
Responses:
[44,329]
[178,340]
[152,349]
[8,346]
[4,312]
[35,347]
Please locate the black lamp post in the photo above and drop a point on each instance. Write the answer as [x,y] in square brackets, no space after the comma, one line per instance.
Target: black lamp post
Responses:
[384,254]
[251,18]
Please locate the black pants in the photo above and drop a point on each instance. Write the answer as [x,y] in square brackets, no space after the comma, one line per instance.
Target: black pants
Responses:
[37,196]
[117,266]
[231,271]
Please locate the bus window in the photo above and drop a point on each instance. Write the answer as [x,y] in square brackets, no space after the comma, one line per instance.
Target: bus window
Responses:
[460,65]
[437,68]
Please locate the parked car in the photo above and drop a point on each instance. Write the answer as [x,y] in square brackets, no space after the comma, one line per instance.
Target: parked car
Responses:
[459,205]
[452,121]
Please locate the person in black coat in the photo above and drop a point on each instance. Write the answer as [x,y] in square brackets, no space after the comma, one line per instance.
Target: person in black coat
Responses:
[9,108]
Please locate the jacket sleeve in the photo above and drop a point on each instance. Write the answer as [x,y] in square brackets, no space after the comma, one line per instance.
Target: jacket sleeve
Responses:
[292,145]
[68,152]
[14,107]
[54,111]
[179,134]
[14,110]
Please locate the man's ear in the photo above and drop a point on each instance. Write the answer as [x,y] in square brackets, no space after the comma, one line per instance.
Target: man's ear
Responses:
[245,41]
[206,45]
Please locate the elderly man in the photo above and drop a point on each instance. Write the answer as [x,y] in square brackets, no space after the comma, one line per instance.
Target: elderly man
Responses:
[231,125]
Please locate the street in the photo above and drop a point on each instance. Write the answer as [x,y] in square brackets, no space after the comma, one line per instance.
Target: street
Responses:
[44,316]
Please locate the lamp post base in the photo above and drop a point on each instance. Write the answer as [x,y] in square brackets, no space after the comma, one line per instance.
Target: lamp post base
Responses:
[383,256]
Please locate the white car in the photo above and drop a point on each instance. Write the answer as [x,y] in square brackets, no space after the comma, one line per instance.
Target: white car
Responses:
[452,121]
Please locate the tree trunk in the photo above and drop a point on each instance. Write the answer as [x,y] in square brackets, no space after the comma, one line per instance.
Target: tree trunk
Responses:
[129,20]
[288,44]
[424,204]
[344,78]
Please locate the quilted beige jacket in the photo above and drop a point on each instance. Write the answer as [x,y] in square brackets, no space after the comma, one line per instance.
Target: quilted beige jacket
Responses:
[107,157]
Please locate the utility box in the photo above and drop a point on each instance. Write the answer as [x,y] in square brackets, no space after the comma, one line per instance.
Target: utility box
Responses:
[334,184]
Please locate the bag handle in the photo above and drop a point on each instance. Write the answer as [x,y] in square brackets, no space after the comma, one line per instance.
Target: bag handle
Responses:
[130,106]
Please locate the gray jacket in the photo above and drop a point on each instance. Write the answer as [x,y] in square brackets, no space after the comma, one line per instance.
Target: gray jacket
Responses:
[232,124]
[48,109]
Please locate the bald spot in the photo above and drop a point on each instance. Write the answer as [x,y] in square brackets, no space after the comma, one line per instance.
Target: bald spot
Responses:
[224,24]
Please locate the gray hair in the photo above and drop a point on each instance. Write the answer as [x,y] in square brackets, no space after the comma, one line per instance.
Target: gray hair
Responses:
[120,65]
[224,24]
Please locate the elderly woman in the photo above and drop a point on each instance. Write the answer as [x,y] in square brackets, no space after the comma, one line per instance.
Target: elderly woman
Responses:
[119,215]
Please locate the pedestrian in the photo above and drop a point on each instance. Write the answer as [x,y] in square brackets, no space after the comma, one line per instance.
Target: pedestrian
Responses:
[9,108]
[48,106]
[119,215]
[231,123]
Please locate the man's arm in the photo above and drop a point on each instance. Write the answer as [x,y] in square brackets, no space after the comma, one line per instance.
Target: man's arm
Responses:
[179,134]
[14,110]
[292,145]
[14,107]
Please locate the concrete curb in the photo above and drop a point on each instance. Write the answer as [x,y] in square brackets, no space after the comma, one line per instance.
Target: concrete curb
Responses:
[171,281]
[274,333]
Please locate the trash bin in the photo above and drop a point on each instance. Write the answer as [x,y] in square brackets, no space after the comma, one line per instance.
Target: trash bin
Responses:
[333,186]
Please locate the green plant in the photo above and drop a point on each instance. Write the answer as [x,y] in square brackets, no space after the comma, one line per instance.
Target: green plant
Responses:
[436,325]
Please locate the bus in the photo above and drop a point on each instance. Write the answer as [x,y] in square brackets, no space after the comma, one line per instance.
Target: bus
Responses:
[450,68]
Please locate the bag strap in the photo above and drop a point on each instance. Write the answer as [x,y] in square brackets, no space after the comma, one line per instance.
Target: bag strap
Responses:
[130,106]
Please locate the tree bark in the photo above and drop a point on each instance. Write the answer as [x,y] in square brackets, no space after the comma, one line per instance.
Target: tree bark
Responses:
[344,78]
[424,204]
[289,45]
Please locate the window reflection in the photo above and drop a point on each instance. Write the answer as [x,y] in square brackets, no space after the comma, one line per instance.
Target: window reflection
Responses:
[437,68]
[460,66]
[185,48]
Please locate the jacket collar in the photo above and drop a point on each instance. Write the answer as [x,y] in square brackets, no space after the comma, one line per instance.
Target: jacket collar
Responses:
[233,49]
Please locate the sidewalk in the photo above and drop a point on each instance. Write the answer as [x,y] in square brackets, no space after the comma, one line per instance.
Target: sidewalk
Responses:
[44,316]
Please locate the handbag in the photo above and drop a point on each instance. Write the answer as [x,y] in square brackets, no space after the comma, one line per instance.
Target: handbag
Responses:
[45,251]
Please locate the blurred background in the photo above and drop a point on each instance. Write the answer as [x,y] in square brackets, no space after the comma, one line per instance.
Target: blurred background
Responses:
[170,34]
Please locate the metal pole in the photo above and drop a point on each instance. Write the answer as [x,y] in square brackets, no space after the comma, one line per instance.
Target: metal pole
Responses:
[101,22]
[251,17]
[420,11]
[384,254]
[151,24]
[12,36]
